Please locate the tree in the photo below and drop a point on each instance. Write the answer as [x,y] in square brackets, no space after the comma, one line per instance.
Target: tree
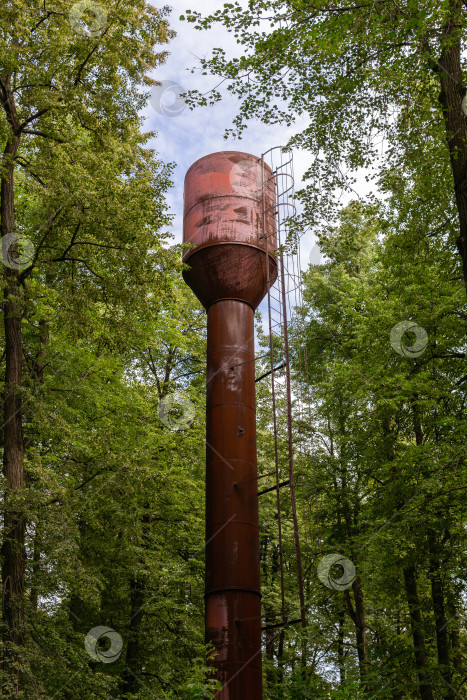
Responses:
[70,86]
[387,419]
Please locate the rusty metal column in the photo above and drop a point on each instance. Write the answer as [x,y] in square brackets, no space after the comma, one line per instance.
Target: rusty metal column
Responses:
[233,602]
[223,219]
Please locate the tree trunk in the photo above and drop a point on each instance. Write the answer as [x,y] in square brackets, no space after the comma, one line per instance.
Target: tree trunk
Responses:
[38,377]
[131,676]
[340,646]
[280,662]
[358,617]
[451,96]
[270,646]
[410,581]
[360,628]
[454,636]
[36,558]
[441,620]
[13,550]
[435,551]
[134,661]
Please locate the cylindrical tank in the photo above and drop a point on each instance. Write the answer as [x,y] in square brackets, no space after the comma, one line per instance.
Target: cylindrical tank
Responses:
[223,219]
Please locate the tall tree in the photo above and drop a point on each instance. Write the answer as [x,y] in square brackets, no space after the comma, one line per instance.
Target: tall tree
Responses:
[70,80]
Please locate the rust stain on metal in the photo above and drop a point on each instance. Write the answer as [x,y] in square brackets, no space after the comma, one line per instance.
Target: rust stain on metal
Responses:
[223,218]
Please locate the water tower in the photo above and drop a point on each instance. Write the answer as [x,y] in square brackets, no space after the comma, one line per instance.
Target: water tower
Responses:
[229,219]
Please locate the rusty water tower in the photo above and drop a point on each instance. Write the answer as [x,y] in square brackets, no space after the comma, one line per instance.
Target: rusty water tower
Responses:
[230,221]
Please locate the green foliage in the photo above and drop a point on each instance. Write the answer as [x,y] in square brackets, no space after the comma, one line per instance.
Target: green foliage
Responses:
[201,684]
[114,477]
[360,81]
[388,451]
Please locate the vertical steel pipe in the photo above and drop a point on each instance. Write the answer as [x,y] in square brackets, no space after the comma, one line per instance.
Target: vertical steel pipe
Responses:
[223,220]
[232,595]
